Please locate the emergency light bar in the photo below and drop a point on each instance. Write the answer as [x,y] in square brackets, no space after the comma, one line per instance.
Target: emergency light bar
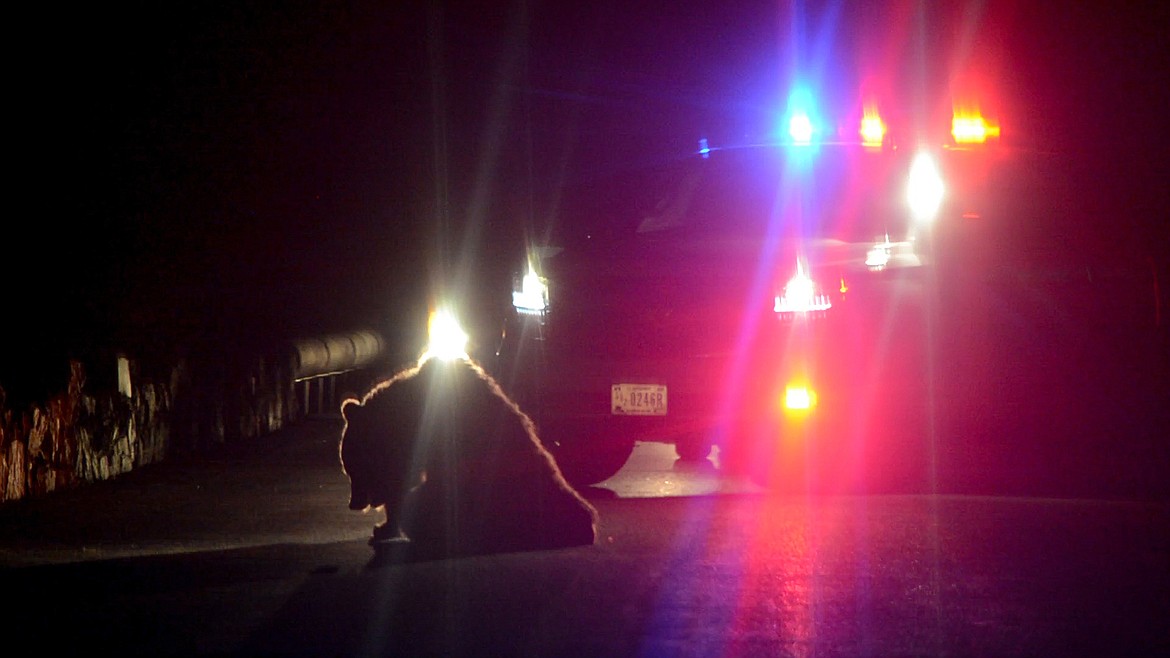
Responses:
[806,124]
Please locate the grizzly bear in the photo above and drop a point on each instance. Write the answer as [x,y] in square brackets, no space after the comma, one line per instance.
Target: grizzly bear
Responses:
[456,466]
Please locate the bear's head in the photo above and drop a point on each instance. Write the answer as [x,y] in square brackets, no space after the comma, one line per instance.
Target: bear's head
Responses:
[357,459]
[377,441]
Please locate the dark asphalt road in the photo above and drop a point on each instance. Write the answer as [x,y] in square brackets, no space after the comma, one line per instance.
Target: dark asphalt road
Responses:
[252,552]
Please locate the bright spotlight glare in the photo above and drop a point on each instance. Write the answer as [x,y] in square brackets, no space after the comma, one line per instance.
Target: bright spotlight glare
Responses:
[447,338]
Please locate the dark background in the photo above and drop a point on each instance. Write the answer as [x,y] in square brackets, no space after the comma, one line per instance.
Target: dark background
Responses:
[238,173]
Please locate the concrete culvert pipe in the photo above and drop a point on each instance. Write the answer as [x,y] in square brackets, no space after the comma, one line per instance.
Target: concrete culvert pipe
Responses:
[336,353]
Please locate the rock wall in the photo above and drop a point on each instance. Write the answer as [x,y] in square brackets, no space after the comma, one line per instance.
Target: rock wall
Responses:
[80,435]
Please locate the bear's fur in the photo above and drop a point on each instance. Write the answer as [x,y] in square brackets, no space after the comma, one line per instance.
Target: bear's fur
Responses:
[457,466]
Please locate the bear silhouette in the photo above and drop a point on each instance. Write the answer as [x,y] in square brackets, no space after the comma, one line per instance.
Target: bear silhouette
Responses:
[456,466]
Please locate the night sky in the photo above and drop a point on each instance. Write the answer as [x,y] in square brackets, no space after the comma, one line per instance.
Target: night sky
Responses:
[240,172]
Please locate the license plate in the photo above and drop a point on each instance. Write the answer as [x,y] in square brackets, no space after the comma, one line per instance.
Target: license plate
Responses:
[638,400]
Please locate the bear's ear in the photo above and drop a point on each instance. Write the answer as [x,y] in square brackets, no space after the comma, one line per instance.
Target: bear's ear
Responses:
[349,407]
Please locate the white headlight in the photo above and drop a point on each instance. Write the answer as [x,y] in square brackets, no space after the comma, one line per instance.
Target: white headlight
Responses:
[924,191]
[801,295]
[530,295]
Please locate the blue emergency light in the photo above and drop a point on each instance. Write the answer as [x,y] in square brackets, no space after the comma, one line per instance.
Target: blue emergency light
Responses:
[802,123]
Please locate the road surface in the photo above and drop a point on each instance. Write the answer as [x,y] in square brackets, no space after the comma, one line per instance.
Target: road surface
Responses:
[252,552]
